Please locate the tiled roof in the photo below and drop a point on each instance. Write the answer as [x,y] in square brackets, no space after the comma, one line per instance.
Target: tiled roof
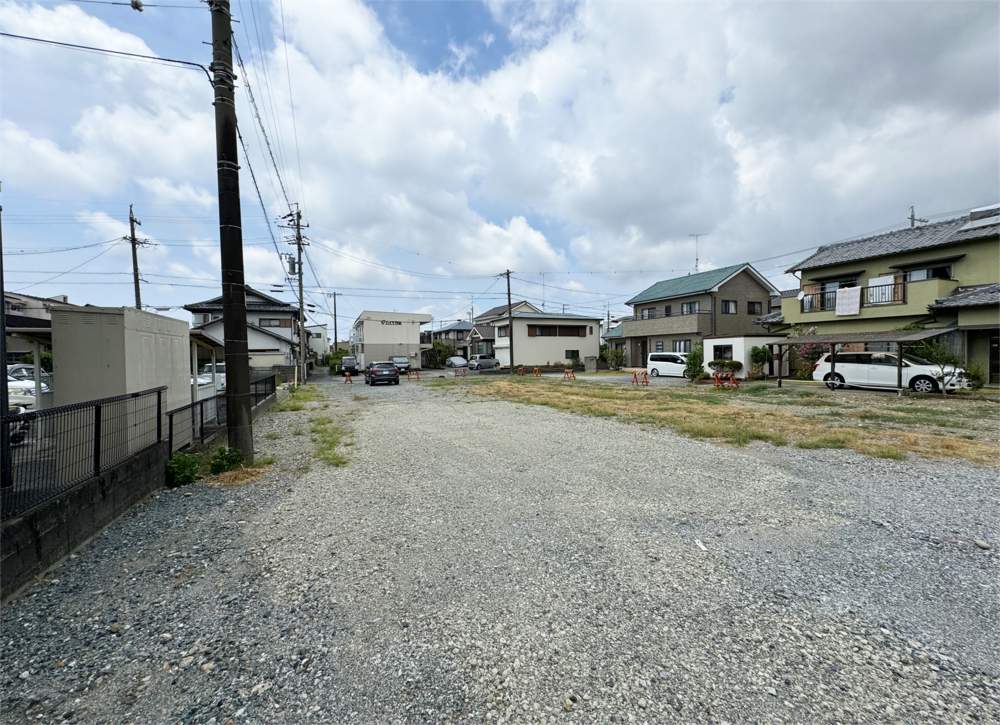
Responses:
[772,318]
[500,310]
[25,322]
[486,331]
[548,316]
[269,304]
[462,326]
[691,284]
[901,240]
[615,331]
[980,294]
[789,293]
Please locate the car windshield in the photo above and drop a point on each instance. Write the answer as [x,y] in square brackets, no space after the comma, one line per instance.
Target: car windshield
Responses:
[916,360]
[349,360]
[399,359]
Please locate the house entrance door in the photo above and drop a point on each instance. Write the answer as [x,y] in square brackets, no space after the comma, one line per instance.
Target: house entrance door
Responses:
[995,359]
[643,350]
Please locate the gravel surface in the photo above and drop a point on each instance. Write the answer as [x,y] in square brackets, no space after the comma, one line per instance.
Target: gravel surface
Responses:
[481,561]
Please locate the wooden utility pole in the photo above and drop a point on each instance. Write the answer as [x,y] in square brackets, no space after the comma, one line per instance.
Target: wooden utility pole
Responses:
[132,221]
[335,338]
[6,467]
[510,323]
[234,297]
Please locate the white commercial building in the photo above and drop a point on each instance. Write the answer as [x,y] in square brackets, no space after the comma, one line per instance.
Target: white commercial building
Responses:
[379,336]
[542,338]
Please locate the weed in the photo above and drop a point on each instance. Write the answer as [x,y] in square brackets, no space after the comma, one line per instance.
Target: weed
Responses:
[225,459]
[264,461]
[361,397]
[297,432]
[826,441]
[182,468]
[297,399]
[889,452]
[272,436]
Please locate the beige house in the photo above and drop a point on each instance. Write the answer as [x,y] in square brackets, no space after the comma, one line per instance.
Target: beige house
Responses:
[542,338]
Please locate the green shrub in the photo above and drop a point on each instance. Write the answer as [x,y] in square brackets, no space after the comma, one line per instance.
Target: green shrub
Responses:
[182,468]
[973,375]
[225,459]
[616,359]
[703,376]
[718,365]
[759,354]
[695,362]
[734,366]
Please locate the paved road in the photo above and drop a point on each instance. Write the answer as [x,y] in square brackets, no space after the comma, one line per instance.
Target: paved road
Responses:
[480,561]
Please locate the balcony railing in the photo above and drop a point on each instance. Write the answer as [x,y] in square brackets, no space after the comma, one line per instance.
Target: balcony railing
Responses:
[874,296]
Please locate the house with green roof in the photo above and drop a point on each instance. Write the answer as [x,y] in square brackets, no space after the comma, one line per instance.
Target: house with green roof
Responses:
[675,314]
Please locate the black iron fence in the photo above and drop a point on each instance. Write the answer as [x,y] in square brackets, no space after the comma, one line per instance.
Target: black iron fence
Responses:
[53,450]
[193,423]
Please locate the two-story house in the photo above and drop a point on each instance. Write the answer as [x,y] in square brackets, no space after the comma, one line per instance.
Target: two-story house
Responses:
[272,327]
[676,314]
[481,339]
[943,275]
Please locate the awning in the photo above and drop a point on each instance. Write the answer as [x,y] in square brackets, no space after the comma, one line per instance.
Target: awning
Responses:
[898,336]
[203,339]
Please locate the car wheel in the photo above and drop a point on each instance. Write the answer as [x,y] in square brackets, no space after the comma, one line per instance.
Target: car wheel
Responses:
[924,385]
[395,382]
[496,366]
[834,381]
[655,373]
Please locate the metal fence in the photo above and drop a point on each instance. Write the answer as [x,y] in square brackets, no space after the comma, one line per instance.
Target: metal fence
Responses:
[193,423]
[53,450]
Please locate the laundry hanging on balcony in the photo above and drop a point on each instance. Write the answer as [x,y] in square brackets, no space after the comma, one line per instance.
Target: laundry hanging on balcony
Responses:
[849,301]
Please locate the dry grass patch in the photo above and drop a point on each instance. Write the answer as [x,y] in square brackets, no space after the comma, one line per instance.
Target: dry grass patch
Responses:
[761,414]
[239,476]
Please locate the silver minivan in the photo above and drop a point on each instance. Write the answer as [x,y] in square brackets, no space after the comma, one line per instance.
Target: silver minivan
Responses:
[666,363]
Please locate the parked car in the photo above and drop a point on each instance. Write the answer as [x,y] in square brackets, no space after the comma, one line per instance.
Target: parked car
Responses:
[349,364]
[18,431]
[480,362]
[23,371]
[381,372]
[878,370]
[220,374]
[456,362]
[666,363]
[24,387]
[401,362]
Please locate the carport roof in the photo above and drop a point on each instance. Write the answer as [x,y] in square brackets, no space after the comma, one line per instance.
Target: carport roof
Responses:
[881,336]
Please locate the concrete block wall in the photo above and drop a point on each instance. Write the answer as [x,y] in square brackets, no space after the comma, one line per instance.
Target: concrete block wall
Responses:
[44,536]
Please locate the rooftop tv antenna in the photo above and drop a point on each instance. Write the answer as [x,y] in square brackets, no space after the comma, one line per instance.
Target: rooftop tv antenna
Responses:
[701,234]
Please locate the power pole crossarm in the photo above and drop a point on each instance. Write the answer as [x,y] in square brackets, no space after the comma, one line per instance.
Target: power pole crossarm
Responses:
[234,296]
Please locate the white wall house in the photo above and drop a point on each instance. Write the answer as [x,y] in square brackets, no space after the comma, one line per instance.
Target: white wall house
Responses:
[319,342]
[378,336]
[547,338]
[272,327]
[738,348]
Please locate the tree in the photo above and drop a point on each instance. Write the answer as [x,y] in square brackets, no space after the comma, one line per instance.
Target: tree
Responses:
[939,353]
[616,358]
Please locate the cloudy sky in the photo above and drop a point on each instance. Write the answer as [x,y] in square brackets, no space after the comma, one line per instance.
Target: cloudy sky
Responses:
[432,145]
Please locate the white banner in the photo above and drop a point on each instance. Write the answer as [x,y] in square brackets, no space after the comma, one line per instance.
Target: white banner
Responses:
[849,301]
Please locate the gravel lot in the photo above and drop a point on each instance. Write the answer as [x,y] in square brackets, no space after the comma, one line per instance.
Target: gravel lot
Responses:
[481,561]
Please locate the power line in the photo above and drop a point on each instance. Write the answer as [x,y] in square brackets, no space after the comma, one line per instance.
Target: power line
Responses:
[103,251]
[90,49]
[141,5]
[291,102]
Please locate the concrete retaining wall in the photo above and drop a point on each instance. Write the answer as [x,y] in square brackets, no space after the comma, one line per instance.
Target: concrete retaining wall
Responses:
[44,536]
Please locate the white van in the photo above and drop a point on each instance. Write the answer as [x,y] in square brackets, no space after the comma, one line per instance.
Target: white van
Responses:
[878,370]
[666,363]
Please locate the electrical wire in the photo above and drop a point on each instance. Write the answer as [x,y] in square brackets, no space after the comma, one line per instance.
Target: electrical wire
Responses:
[144,5]
[90,49]
[103,251]
[291,102]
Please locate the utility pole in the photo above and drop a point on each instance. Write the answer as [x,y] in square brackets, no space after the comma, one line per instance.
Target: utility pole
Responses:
[132,221]
[914,219]
[234,296]
[335,338]
[296,224]
[696,236]
[510,322]
[543,289]
[6,474]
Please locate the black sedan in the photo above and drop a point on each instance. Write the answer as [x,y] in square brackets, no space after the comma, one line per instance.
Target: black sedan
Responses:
[381,372]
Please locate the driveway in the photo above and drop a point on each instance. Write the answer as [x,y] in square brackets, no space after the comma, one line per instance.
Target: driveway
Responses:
[483,561]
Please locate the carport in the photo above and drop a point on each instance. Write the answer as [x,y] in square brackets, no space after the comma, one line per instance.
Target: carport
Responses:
[900,337]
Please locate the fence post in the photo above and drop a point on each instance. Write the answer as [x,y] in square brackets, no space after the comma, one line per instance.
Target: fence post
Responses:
[97,440]
[170,434]
[159,416]
[201,421]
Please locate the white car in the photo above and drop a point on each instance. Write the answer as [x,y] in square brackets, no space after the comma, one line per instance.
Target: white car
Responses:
[24,387]
[878,370]
[666,363]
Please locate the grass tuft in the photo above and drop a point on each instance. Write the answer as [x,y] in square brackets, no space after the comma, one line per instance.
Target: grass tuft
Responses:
[272,436]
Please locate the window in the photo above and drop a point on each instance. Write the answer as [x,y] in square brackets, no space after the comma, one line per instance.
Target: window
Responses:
[269,322]
[941,272]
[591,329]
[666,311]
[648,313]
[722,352]
[317,335]
[659,345]
[729,307]
[755,308]
[502,331]
[570,354]
[682,346]
[689,308]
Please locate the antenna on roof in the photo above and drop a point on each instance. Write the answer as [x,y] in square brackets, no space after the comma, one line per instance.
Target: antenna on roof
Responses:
[702,234]
[914,219]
